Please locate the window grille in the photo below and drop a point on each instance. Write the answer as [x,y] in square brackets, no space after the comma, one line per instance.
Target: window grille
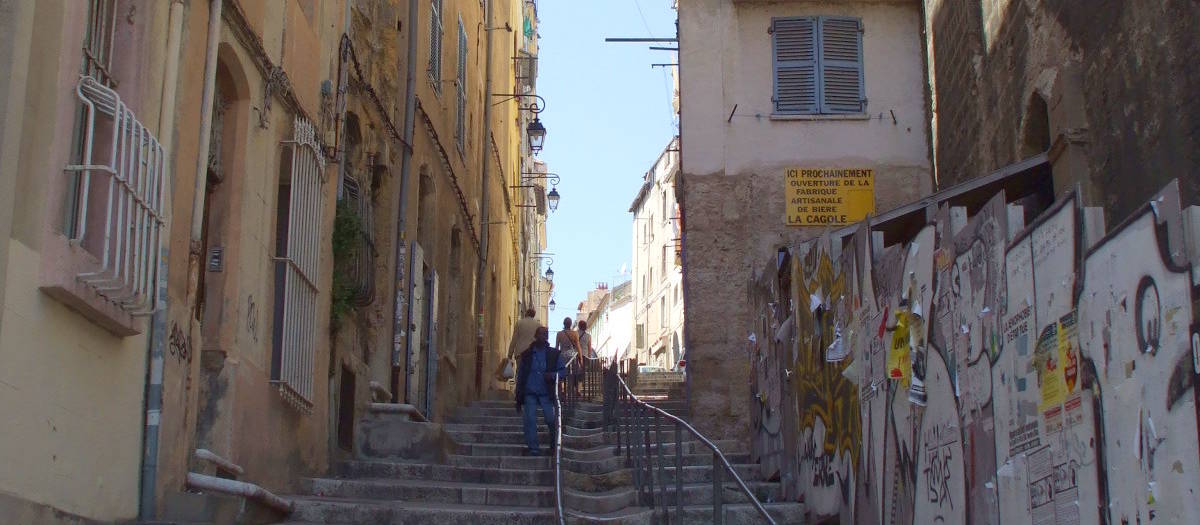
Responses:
[435,45]
[119,199]
[362,267]
[297,266]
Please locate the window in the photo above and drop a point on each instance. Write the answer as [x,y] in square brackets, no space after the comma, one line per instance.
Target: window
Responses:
[662,311]
[435,45]
[664,261]
[641,336]
[116,195]
[98,41]
[818,65]
[361,267]
[297,258]
[460,128]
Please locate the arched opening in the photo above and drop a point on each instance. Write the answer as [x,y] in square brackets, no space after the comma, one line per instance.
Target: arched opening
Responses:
[223,166]
[1035,127]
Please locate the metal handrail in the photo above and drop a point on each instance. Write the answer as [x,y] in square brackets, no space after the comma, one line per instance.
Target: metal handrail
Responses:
[558,431]
[635,421]
[588,388]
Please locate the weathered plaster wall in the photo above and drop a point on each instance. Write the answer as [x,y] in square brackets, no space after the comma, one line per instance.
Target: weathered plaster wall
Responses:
[733,167]
[217,390]
[983,372]
[70,391]
[1118,78]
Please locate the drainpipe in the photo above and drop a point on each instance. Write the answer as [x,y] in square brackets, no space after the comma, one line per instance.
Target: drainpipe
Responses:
[399,330]
[147,502]
[206,110]
[484,214]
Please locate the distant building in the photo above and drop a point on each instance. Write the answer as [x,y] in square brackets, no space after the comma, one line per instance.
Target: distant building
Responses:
[795,116]
[611,322]
[658,314]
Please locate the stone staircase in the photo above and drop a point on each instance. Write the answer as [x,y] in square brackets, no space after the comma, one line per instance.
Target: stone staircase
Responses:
[472,470]
[657,386]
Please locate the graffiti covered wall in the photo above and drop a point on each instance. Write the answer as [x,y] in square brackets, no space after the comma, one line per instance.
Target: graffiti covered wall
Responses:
[983,371]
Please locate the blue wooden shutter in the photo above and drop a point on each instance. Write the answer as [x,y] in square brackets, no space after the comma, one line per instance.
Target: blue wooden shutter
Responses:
[841,67]
[795,55]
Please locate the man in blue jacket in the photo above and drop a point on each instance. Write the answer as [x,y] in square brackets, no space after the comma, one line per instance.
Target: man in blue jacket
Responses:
[537,370]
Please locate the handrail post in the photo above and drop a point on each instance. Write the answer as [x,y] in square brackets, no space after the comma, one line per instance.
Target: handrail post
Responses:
[636,453]
[662,472]
[679,470]
[718,510]
[649,457]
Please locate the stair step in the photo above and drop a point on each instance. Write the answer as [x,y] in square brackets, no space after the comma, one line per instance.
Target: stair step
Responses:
[693,494]
[515,419]
[427,491]
[735,514]
[325,510]
[431,472]
[513,449]
[624,477]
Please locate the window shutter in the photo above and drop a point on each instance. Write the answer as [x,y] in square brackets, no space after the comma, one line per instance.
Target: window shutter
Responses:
[841,69]
[435,45]
[795,55]
[461,127]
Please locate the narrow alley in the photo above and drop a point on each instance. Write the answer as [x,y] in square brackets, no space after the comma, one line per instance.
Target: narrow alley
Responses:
[306,262]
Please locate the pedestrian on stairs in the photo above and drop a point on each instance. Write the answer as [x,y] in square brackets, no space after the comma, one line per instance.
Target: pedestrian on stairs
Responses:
[538,370]
[522,337]
[586,354]
[567,342]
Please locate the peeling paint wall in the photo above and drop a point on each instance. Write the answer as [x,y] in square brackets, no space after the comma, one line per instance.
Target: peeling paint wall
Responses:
[983,371]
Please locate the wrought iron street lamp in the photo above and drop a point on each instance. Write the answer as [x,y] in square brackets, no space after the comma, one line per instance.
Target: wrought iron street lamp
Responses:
[552,197]
[535,131]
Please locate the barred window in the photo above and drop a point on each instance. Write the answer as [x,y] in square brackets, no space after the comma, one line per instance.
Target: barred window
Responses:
[298,245]
[361,267]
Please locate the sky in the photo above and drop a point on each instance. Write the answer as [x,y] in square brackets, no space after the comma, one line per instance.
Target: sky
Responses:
[608,117]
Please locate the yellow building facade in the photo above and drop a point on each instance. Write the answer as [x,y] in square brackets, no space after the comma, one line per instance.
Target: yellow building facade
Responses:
[200,208]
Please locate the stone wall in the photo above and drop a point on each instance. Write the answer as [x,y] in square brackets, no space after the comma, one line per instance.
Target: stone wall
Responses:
[982,371]
[1117,78]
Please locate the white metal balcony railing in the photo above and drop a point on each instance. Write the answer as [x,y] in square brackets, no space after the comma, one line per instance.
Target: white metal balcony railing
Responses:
[120,191]
[297,337]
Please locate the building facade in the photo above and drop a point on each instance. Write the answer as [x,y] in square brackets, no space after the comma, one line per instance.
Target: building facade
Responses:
[789,96]
[611,323]
[226,209]
[657,277]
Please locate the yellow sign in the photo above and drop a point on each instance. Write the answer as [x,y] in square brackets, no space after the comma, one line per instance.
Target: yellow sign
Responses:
[828,196]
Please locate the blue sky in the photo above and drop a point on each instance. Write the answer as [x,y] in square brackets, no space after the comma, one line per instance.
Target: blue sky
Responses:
[608,116]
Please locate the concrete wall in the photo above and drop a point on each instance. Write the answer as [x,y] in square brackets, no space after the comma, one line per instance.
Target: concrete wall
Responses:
[984,372]
[732,189]
[1117,78]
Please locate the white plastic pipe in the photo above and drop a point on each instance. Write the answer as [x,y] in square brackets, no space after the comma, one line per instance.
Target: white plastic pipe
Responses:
[239,488]
[206,110]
